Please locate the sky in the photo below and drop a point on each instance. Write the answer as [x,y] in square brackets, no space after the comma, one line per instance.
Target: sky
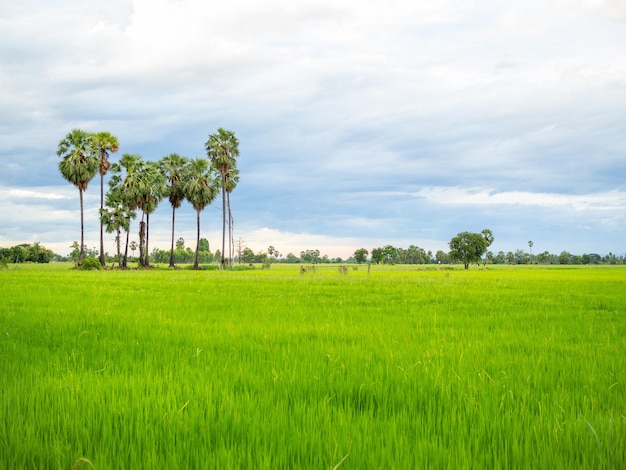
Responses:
[361,123]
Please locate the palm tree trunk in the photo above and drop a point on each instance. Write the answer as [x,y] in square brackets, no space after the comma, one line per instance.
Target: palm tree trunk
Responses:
[118,242]
[147,262]
[231,248]
[125,264]
[223,218]
[102,260]
[195,263]
[142,240]
[82,230]
[172,249]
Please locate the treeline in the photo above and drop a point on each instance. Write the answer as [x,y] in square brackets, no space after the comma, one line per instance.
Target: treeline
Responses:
[26,253]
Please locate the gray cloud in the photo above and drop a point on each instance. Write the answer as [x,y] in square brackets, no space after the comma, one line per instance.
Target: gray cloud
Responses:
[345,113]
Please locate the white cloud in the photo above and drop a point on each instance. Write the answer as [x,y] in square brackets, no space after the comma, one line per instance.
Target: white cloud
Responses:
[614,200]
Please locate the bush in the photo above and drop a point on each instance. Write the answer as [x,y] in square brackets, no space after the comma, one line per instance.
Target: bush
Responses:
[89,264]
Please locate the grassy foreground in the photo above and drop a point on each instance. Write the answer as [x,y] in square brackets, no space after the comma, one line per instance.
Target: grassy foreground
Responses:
[402,368]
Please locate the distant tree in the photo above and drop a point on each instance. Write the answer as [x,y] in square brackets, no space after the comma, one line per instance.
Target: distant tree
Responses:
[360,255]
[79,164]
[133,246]
[378,255]
[530,246]
[200,190]
[543,258]
[247,255]
[441,257]
[291,258]
[468,247]
[105,143]
[310,256]
[564,257]
[173,168]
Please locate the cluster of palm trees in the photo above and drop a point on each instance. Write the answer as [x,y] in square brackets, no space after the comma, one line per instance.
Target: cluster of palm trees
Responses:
[140,185]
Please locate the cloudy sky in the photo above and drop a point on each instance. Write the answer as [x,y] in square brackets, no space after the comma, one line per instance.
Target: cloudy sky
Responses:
[361,123]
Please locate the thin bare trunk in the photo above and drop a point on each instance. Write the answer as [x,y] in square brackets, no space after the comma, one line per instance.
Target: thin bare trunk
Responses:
[102,260]
[118,242]
[223,220]
[147,261]
[142,240]
[81,256]
[195,263]
[125,263]
[172,249]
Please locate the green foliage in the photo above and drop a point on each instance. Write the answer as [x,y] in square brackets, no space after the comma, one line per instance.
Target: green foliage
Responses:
[510,367]
[469,247]
[89,264]
[360,255]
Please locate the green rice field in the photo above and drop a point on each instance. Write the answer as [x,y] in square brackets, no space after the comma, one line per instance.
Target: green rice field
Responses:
[404,367]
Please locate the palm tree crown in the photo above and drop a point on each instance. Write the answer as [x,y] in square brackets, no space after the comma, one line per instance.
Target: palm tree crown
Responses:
[79,164]
[79,160]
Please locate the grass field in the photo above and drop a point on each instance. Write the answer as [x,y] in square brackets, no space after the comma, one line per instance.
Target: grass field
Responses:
[513,367]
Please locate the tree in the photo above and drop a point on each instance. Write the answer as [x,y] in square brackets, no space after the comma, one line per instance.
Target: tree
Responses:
[79,164]
[360,255]
[173,168]
[153,191]
[126,178]
[105,143]
[115,217]
[223,149]
[378,255]
[468,247]
[200,190]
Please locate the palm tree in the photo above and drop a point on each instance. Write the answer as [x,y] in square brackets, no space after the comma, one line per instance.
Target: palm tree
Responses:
[200,190]
[115,217]
[104,143]
[79,164]
[223,149]
[152,190]
[173,168]
[126,180]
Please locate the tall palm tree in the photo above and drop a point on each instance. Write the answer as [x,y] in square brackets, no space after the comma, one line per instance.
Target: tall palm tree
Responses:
[173,168]
[105,143]
[79,164]
[200,190]
[223,149]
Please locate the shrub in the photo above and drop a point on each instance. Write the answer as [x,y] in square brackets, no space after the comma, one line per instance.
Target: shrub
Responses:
[89,264]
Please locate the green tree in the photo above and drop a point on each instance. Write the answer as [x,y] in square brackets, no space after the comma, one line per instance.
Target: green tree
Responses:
[127,180]
[223,149]
[360,255]
[154,188]
[105,144]
[200,190]
[180,243]
[79,164]
[116,216]
[564,257]
[378,255]
[468,247]
[173,167]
